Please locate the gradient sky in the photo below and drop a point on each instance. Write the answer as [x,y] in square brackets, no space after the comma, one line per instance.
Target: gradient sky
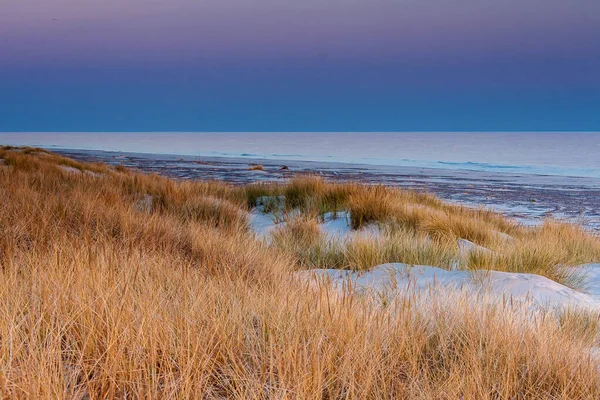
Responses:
[309,65]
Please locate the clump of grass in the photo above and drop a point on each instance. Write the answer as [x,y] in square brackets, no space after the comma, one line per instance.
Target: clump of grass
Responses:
[580,323]
[254,191]
[273,204]
[408,247]
[210,210]
[335,198]
[451,226]
[364,252]
[312,194]
[302,231]
[547,250]
[303,192]
[576,245]
[29,159]
[302,239]
[424,213]
[35,150]
[365,206]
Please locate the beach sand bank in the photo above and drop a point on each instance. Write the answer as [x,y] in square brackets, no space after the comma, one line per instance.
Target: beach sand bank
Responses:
[526,197]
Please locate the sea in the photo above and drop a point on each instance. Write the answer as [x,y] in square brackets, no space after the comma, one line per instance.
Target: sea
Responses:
[540,153]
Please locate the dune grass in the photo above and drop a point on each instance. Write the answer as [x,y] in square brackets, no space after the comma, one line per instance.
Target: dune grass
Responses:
[419,228]
[309,246]
[102,298]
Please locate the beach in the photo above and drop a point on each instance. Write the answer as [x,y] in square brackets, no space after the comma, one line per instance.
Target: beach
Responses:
[184,266]
[537,153]
[528,198]
[525,175]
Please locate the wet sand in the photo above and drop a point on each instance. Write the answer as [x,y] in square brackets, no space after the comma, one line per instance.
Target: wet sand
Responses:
[527,198]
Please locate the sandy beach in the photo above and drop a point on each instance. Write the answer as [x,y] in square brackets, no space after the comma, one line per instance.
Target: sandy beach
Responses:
[528,198]
[171,255]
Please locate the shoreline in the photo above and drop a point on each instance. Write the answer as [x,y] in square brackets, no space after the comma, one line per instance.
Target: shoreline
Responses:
[525,197]
[541,153]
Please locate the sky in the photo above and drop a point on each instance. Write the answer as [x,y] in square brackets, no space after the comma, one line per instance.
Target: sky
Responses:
[310,65]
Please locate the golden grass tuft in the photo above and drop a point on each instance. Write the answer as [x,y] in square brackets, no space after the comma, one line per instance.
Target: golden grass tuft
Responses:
[425,213]
[302,239]
[371,205]
[312,194]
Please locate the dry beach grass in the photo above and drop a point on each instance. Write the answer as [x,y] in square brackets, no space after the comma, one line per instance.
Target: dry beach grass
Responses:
[115,284]
[421,229]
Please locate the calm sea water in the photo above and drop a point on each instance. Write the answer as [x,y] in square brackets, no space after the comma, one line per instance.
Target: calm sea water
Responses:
[567,154]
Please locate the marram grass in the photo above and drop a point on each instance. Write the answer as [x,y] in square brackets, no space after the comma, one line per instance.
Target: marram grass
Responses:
[108,293]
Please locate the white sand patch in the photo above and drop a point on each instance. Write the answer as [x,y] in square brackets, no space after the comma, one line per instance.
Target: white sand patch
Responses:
[505,237]
[590,274]
[270,202]
[71,170]
[336,226]
[263,224]
[536,290]
[466,247]
[92,173]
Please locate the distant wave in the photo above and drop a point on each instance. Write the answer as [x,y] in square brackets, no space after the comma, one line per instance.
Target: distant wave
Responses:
[419,163]
[287,155]
[529,169]
[228,154]
[485,165]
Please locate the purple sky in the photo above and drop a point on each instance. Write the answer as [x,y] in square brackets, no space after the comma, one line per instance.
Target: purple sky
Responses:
[246,60]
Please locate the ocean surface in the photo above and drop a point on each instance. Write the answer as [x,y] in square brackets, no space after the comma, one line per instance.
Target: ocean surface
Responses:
[541,153]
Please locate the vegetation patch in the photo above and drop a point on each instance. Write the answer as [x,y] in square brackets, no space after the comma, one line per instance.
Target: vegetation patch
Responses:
[101,298]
